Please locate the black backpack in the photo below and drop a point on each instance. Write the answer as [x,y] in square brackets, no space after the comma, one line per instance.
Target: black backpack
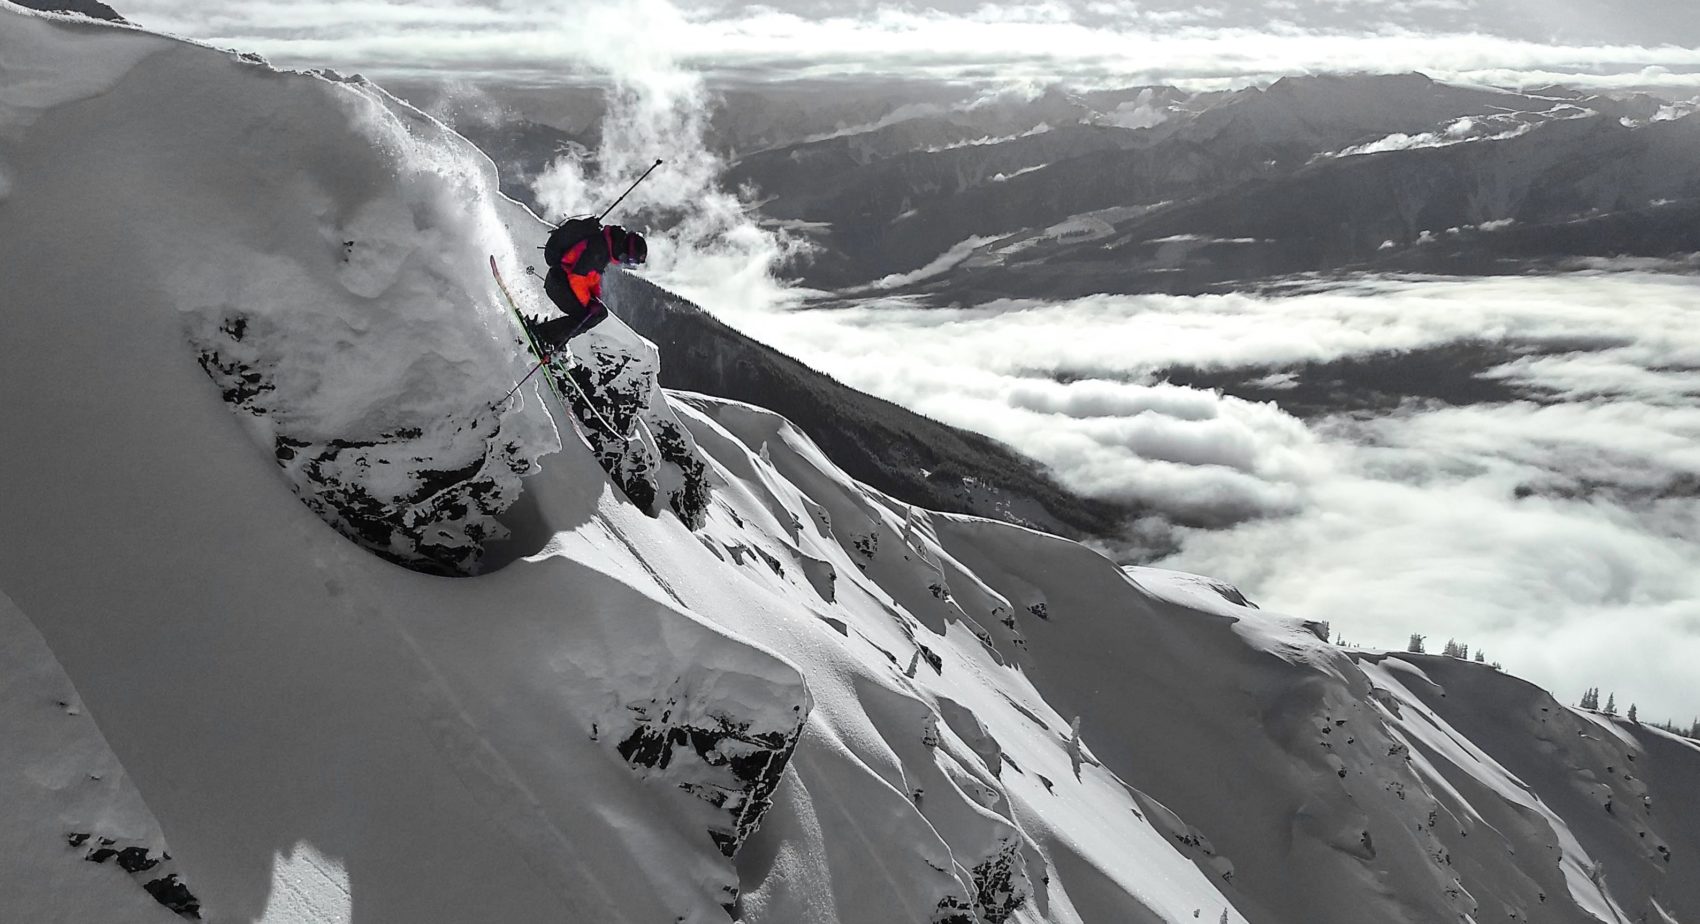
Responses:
[568,235]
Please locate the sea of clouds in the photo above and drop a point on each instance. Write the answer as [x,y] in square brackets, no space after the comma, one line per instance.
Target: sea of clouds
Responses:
[1559,532]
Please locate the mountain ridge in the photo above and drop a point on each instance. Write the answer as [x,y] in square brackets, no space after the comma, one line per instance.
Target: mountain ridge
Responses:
[811,703]
[1012,194]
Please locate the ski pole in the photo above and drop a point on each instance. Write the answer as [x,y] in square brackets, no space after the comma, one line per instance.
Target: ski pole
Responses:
[629,189]
[540,364]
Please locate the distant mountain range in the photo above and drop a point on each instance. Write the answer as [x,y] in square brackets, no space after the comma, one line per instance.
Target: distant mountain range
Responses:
[1562,183]
[1156,189]
[1310,174]
[93,9]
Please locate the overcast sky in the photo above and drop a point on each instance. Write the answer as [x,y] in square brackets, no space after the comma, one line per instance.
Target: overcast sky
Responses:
[1653,42]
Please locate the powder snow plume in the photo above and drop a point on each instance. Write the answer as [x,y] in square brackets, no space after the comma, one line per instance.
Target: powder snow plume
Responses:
[703,241]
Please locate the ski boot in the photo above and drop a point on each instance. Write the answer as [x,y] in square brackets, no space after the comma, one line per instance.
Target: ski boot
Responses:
[557,354]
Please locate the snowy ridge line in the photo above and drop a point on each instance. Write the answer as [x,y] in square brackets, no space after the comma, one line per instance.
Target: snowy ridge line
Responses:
[1364,778]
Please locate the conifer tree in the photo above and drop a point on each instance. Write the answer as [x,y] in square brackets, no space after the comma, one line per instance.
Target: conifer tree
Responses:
[1416,644]
[1611,704]
[1632,717]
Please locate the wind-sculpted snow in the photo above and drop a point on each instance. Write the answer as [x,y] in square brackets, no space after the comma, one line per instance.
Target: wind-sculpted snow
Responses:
[327,300]
[1580,773]
[1477,782]
[423,493]
[332,307]
[58,764]
[981,815]
[715,677]
[323,736]
[716,733]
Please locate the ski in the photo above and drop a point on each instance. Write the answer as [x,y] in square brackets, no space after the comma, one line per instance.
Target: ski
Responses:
[546,361]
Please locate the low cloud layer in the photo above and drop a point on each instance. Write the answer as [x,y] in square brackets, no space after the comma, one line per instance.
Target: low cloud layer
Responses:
[1560,533]
[1070,383]
[1657,44]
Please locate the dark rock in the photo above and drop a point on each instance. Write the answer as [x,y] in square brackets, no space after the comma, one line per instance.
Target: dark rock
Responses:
[740,768]
[953,909]
[606,393]
[932,658]
[130,859]
[171,893]
[997,894]
[446,513]
[135,860]
[691,500]
[240,386]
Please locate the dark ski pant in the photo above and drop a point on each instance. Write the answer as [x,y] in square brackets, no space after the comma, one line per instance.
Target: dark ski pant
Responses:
[577,318]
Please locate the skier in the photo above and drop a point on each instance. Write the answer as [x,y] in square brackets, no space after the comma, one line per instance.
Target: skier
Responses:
[578,252]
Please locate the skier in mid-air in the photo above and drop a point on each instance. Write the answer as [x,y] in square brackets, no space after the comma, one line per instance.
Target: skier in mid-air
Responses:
[577,253]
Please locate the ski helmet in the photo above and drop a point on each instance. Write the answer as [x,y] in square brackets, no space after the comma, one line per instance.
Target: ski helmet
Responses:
[626,246]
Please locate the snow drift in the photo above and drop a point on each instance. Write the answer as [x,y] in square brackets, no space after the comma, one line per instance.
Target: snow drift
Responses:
[700,672]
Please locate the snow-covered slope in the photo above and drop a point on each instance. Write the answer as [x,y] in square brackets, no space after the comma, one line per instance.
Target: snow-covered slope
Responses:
[702,671]
[301,716]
